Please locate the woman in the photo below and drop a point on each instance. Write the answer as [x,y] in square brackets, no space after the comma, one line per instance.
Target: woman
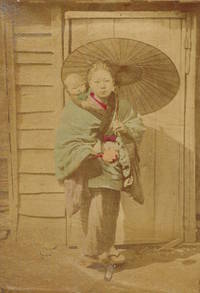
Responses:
[93,140]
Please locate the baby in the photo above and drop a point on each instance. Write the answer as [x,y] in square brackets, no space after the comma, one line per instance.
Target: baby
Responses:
[76,87]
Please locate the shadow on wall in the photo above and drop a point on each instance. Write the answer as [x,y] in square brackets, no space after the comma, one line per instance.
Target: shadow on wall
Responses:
[160,219]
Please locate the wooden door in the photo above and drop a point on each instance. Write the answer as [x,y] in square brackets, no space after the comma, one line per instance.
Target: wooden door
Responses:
[164,151]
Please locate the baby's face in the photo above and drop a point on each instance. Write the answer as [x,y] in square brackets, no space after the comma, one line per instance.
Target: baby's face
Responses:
[77,89]
[75,85]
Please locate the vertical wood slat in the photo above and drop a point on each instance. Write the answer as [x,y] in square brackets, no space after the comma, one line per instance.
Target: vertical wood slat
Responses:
[168,150]
[189,179]
[3,91]
[67,48]
[57,41]
[66,37]
[5,174]
[178,229]
[197,122]
[13,160]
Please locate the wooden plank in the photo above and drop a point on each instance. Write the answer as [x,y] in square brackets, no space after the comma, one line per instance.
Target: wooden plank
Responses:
[36,139]
[35,99]
[169,145]
[33,58]
[4,153]
[122,14]
[190,195]
[57,39]
[34,75]
[4,175]
[197,122]
[36,121]
[36,161]
[43,205]
[79,33]
[100,29]
[3,82]
[134,231]
[4,185]
[29,19]
[13,176]
[145,30]
[4,137]
[11,195]
[39,184]
[4,119]
[33,44]
[111,1]
[86,30]
[67,38]
[104,1]
[179,55]
[167,178]
[41,231]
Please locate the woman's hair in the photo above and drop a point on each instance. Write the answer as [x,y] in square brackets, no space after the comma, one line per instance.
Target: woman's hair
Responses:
[99,66]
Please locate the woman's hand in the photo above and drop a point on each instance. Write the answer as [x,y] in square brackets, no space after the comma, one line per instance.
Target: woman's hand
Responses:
[118,126]
[110,156]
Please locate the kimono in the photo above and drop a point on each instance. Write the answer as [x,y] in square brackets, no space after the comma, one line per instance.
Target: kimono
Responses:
[92,185]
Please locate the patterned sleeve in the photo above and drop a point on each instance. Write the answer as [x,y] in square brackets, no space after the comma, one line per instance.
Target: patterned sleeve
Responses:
[132,121]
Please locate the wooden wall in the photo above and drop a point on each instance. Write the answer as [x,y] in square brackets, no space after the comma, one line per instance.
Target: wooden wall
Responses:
[39,94]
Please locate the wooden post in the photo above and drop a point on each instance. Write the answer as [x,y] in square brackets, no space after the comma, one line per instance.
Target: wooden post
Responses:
[57,39]
[197,123]
[11,95]
[189,152]
[3,93]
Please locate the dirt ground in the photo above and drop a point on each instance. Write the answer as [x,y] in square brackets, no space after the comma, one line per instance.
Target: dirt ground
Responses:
[26,268]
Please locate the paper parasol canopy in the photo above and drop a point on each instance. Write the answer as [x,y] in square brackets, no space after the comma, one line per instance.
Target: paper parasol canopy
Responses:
[143,74]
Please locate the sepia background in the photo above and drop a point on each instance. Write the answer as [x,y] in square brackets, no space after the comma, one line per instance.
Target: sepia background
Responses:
[36,37]
[160,240]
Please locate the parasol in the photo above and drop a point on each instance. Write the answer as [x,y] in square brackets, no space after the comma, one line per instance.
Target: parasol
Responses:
[143,74]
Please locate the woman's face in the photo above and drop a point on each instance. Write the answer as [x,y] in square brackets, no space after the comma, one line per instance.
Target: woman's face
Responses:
[101,83]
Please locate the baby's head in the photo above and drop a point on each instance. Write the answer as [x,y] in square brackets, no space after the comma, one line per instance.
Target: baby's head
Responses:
[75,84]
